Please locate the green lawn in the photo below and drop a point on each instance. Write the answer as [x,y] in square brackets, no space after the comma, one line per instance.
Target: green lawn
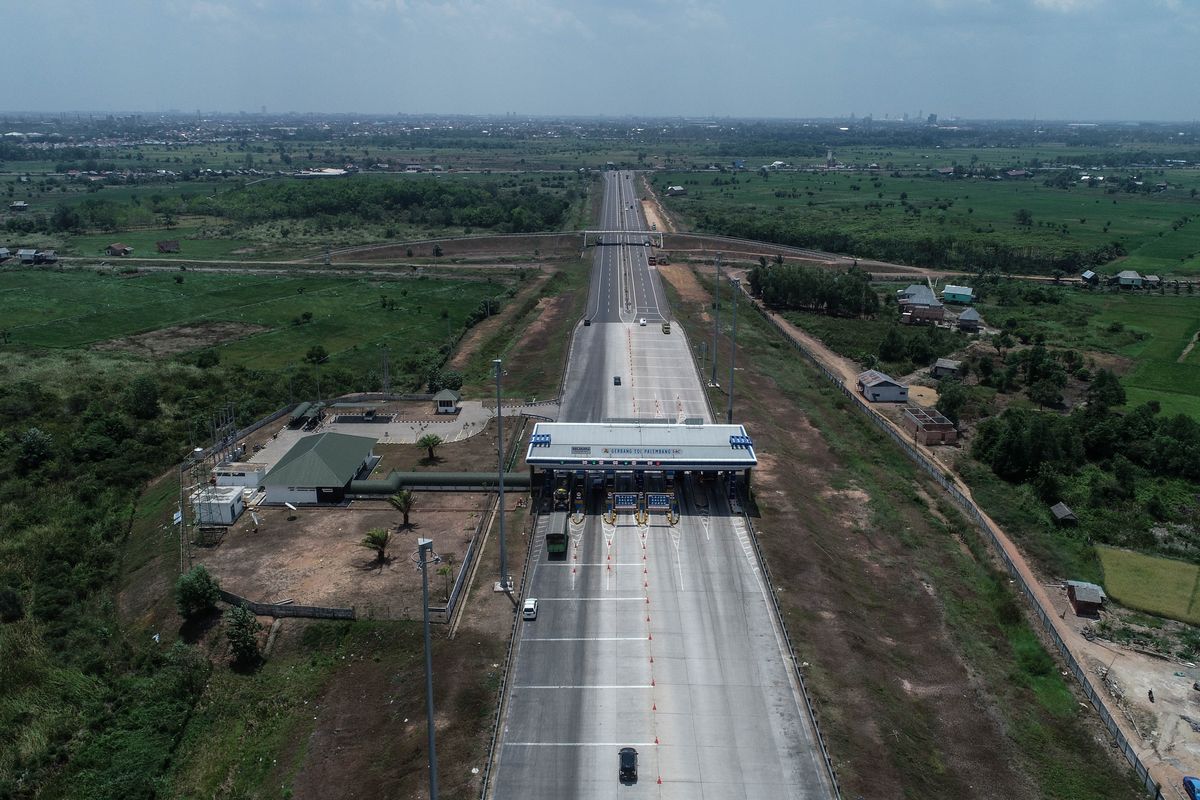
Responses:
[1161,586]
[78,309]
[144,245]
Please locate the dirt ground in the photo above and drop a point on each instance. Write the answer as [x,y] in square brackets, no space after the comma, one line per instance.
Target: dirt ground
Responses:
[564,245]
[477,453]
[177,339]
[368,740]
[315,558]
[479,334]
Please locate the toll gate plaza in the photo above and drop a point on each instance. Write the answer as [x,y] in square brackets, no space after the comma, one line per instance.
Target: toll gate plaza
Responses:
[574,459]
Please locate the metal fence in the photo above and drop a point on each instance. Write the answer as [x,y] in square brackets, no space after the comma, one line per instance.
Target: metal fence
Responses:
[972,510]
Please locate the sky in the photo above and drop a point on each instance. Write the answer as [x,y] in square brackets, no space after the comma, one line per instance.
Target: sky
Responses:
[998,59]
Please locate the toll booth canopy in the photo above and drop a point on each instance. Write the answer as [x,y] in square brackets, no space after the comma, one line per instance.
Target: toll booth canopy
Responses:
[622,447]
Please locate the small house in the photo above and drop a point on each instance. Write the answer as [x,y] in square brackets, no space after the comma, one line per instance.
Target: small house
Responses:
[1090,277]
[446,401]
[1087,599]
[963,295]
[916,294]
[1129,278]
[920,315]
[5,254]
[1063,515]
[675,191]
[27,256]
[45,257]
[218,505]
[18,206]
[1151,281]
[318,469]
[118,249]
[168,246]
[880,388]
[970,320]
[946,367]
[929,426]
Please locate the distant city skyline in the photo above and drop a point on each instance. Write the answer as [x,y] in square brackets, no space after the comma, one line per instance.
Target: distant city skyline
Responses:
[1092,60]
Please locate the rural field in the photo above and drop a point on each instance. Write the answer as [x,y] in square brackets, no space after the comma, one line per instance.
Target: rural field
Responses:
[1162,586]
[939,222]
[250,320]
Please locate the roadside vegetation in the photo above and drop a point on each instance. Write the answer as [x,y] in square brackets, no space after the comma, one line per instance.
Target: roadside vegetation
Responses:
[925,670]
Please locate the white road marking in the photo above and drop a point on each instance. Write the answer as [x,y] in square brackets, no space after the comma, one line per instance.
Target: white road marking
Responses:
[589,686]
[590,639]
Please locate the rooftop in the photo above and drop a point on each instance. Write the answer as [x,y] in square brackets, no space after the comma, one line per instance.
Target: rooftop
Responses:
[918,294]
[1087,592]
[928,417]
[947,363]
[634,444]
[952,289]
[327,459]
[970,315]
[874,377]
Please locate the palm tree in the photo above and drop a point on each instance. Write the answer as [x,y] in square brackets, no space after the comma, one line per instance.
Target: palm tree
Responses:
[403,501]
[377,540]
[429,441]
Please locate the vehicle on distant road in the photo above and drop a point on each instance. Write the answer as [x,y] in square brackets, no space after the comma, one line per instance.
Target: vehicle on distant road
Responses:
[556,542]
[642,322]
[529,609]
[666,327]
[627,760]
[616,380]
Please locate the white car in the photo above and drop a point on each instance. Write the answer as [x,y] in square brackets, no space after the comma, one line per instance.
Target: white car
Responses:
[642,322]
[529,609]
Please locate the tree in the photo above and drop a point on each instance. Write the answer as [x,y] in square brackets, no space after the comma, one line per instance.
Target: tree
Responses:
[33,449]
[196,592]
[403,501]
[207,359]
[1105,391]
[892,346]
[141,398]
[952,396]
[242,632]
[451,379]
[316,354]
[377,540]
[11,607]
[1046,392]
[429,441]
[1023,216]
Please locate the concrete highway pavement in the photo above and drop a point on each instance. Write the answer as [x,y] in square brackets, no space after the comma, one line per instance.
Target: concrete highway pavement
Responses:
[658,637]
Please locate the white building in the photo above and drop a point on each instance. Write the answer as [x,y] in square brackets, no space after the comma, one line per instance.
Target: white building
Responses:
[240,474]
[218,505]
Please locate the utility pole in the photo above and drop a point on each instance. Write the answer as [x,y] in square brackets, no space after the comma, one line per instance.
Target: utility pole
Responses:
[716,316]
[736,286]
[424,548]
[504,580]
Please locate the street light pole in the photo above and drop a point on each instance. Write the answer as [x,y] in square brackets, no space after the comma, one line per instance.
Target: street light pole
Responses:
[424,548]
[504,583]
[716,315]
[735,284]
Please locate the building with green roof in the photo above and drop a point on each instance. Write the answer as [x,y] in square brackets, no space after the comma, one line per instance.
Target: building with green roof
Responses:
[318,469]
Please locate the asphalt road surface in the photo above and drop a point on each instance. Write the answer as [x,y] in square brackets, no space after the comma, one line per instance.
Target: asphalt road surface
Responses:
[657,637]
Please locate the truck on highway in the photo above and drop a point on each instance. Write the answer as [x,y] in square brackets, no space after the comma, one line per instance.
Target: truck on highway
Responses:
[556,542]
[666,326]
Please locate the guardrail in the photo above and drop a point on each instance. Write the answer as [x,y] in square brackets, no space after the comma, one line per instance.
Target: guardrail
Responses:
[969,506]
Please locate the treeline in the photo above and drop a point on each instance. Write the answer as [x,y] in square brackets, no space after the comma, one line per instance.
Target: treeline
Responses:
[938,252]
[418,202]
[795,288]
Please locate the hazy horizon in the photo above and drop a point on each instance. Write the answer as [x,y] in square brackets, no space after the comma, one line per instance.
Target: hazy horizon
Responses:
[997,60]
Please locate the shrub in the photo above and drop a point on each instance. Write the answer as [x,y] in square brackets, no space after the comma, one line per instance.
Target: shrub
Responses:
[196,592]
[242,633]
[11,607]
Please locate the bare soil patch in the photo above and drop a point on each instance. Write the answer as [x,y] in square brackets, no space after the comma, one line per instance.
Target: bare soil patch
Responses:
[476,453]
[167,342]
[479,334]
[315,559]
[563,245]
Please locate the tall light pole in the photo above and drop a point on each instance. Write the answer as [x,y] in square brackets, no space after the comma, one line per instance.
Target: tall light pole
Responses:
[735,285]
[716,315]
[504,583]
[424,548]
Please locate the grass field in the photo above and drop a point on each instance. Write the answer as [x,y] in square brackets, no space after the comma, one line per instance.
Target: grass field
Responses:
[1161,586]
[79,309]
[881,208]
[144,242]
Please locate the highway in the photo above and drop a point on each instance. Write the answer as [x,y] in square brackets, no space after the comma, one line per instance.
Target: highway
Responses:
[657,637]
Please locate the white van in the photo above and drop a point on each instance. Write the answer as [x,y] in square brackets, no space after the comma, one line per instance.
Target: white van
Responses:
[529,610]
